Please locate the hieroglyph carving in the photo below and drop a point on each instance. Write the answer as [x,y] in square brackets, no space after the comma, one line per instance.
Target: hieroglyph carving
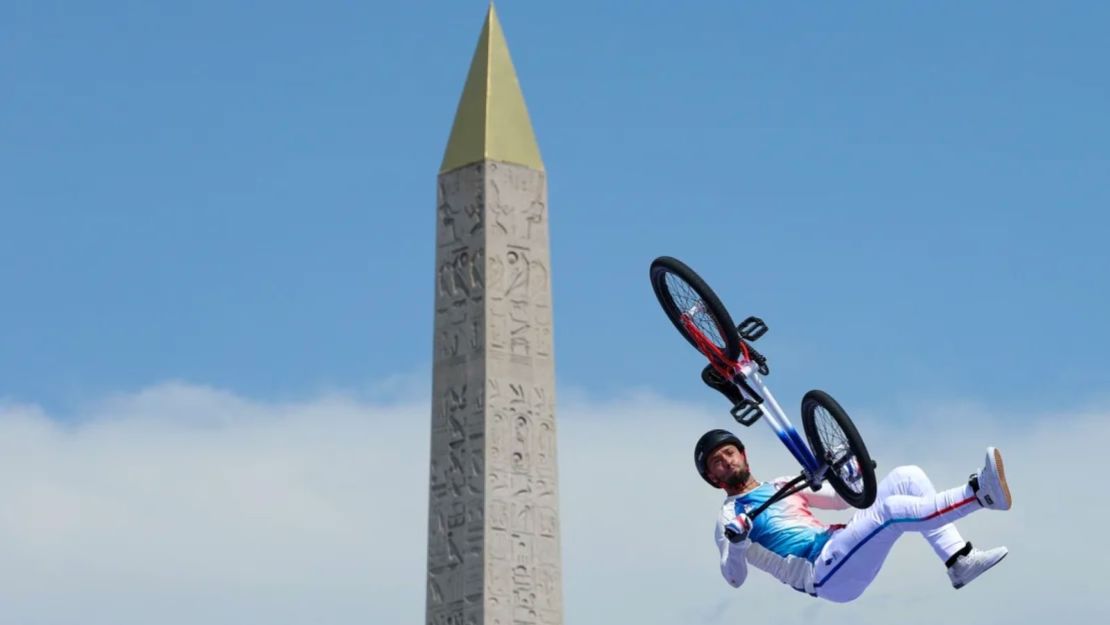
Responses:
[518,284]
[523,503]
[460,264]
[493,551]
[456,540]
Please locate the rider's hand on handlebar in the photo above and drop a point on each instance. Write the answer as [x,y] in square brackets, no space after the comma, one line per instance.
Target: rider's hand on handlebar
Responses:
[737,526]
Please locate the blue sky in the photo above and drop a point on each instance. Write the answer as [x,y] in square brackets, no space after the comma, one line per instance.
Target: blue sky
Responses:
[914,197]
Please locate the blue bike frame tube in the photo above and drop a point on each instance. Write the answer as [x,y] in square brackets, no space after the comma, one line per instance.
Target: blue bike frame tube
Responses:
[789,437]
[780,424]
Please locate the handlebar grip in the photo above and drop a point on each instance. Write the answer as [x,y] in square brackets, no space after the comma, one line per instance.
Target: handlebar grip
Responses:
[733,536]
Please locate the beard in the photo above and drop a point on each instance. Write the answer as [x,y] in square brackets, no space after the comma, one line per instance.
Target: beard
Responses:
[738,478]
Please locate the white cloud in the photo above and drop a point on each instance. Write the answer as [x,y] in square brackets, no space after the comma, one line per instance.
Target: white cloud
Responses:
[182,504]
[664,570]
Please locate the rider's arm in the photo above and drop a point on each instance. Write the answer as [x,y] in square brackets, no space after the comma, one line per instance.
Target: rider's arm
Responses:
[825,498]
[734,566]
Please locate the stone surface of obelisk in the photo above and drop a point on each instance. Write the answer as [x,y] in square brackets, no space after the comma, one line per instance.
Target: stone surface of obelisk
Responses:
[494,554]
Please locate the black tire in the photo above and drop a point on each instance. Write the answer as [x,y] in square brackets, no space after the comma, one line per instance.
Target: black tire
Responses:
[727,338]
[823,435]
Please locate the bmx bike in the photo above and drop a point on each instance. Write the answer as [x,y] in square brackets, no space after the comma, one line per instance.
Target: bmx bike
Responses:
[835,452]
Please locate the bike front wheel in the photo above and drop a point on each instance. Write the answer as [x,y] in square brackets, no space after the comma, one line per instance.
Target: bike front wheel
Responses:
[837,443]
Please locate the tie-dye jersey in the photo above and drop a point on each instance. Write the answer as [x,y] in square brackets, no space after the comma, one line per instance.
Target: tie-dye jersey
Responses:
[786,527]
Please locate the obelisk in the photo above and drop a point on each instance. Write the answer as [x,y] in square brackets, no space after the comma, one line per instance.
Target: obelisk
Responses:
[493,528]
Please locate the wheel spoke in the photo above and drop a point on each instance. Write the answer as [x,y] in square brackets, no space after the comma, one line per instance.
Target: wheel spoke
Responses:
[837,450]
[687,299]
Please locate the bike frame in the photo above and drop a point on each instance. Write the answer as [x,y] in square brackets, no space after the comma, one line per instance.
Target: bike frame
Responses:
[745,376]
[758,391]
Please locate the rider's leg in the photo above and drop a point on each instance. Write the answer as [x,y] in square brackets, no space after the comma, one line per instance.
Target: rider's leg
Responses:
[911,480]
[853,556]
[963,562]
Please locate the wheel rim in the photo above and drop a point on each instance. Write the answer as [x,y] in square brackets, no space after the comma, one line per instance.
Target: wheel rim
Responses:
[689,303]
[838,453]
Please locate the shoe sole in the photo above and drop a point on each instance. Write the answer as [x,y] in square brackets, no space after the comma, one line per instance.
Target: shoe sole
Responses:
[1002,479]
[962,584]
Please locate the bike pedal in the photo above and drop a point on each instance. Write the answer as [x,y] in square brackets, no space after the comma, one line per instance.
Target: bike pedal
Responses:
[746,412]
[751,328]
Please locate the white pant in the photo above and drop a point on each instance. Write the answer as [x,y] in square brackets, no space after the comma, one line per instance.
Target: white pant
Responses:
[906,502]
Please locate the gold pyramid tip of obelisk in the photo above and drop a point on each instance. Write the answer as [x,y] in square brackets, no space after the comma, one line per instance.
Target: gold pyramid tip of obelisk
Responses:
[492,120]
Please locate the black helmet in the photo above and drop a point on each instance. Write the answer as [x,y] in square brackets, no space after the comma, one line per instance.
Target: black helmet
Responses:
[708,442]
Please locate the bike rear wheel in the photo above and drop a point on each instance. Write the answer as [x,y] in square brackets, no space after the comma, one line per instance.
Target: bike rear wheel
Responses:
[837,443]
[694,309]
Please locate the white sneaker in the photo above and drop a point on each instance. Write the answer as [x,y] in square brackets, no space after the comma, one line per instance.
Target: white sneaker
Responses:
[989,483]
[974,564]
